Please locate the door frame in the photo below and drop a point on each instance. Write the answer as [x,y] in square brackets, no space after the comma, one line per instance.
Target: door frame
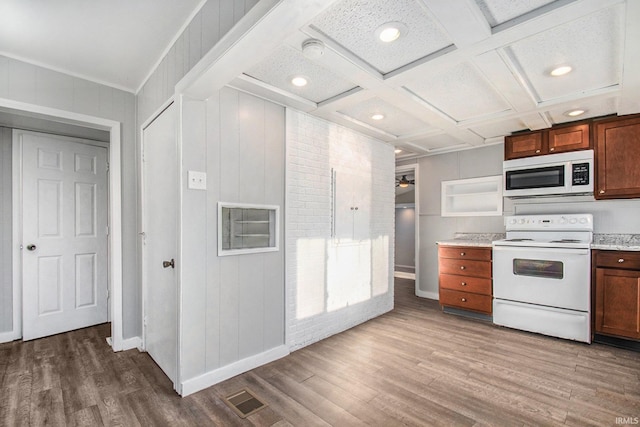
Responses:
[141,236]
[115,214]
[415,168]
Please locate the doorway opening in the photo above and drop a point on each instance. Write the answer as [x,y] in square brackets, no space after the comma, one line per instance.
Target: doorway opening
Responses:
[21,111]
[406,265]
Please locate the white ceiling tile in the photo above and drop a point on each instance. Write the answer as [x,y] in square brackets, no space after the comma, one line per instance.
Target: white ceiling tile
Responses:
[501,128]
[352,24]
[396,121]
[438,142]
[286,62]
[501,11]
[593,108]
[591,45]
[460,92]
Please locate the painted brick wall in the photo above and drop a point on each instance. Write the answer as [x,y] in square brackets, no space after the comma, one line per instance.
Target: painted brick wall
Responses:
[318,266]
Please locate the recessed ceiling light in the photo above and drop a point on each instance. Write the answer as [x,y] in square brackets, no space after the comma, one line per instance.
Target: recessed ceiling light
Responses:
[377,116]
[299,81]
[391,31]
[574,113]
[561,71]
[397,151]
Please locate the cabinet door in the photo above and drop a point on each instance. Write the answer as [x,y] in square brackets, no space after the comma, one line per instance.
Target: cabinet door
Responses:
[617,302]
[569,138]
[524,145]
[344,207]
[617,145]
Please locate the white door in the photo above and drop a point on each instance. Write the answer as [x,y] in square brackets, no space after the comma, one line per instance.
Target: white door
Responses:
[160,207]
[64,234]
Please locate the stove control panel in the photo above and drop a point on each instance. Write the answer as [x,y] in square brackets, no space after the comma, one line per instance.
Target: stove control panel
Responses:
[577,222]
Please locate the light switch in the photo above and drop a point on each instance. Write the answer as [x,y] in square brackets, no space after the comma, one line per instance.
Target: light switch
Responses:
[197,180]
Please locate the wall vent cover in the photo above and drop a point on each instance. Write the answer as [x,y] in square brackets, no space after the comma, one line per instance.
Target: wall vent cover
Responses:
[244,403]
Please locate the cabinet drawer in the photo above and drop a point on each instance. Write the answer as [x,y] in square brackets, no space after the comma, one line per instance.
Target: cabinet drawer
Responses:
[466,300]
[474,285]
[464,252]
[618,259]
[465,267]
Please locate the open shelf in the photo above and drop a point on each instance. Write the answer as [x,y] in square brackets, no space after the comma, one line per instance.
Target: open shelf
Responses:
[472,197]
[244,229]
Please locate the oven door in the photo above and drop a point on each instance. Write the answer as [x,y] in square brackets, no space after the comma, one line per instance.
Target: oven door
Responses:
[554,277]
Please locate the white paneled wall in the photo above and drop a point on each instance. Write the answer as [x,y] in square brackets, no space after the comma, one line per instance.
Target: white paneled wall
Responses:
[6,287]
[321,273]
[35,85]
[232,306]
[207,27]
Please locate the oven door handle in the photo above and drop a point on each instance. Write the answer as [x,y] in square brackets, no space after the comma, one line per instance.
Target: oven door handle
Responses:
[540,249]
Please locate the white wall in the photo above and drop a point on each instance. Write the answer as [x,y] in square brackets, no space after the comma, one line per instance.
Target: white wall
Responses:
[6,253]
[232,306]
[324,295]
[405,247]
[610,216]
[35,85]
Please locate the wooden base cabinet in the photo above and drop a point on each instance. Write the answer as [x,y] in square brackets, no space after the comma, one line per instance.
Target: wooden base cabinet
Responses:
[465,278]
[617,293]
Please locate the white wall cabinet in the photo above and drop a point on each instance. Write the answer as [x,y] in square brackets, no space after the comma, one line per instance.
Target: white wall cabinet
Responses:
[352,206]
[472,197]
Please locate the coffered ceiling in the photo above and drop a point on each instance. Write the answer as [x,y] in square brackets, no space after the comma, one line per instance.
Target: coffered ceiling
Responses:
[463,73]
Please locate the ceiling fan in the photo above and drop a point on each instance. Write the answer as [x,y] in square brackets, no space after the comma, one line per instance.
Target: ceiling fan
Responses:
[404,182]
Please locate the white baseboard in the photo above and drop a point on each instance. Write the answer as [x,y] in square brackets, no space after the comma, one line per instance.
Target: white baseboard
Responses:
[129,343]
[404,275]
[427,294]
[217,375]
[9,336]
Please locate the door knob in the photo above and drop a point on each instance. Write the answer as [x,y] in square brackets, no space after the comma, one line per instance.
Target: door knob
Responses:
[31,247]
[167,264]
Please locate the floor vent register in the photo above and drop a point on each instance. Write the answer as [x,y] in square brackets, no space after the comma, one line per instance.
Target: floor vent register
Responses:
[244,403]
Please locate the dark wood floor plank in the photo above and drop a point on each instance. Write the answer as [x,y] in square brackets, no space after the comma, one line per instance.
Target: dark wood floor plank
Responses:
[413,366]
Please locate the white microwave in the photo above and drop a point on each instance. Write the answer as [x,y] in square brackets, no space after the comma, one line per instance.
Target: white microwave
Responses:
[568,173]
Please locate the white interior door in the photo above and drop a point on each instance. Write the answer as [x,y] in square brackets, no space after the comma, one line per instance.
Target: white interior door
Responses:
[64,234]
[160,206]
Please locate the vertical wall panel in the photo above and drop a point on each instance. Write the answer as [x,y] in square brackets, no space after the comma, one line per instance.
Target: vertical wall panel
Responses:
[214,275]
[86,96]
[194,232]
[22,82]
[195,39]
[229,145]
[252,148]
[229,314]
[210,25]
[251,290]
[4,77]
[54,89]
[6,254]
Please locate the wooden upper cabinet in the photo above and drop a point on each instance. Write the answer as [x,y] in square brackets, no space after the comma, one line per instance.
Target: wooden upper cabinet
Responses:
[524,145]
[617,158]
[548,141]
[569,138]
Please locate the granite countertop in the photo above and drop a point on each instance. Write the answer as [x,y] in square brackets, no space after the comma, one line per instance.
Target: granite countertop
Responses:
[619,242]
[472,239]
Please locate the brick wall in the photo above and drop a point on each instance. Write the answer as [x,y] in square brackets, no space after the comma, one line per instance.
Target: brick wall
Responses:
[325,289]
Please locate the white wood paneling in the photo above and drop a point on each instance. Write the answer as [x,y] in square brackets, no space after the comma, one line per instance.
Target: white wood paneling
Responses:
[206,28]
[6,315]
[233,306]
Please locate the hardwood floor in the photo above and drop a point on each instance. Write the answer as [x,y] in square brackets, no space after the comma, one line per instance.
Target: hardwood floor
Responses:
[413,366]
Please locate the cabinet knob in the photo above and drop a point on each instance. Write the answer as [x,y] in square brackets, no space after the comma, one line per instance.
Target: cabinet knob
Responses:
[463,284]
[462,254]
[463,299]
[356,208]
[552,149]
[537,151]
[462,267]
[601,191]
[621,260]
